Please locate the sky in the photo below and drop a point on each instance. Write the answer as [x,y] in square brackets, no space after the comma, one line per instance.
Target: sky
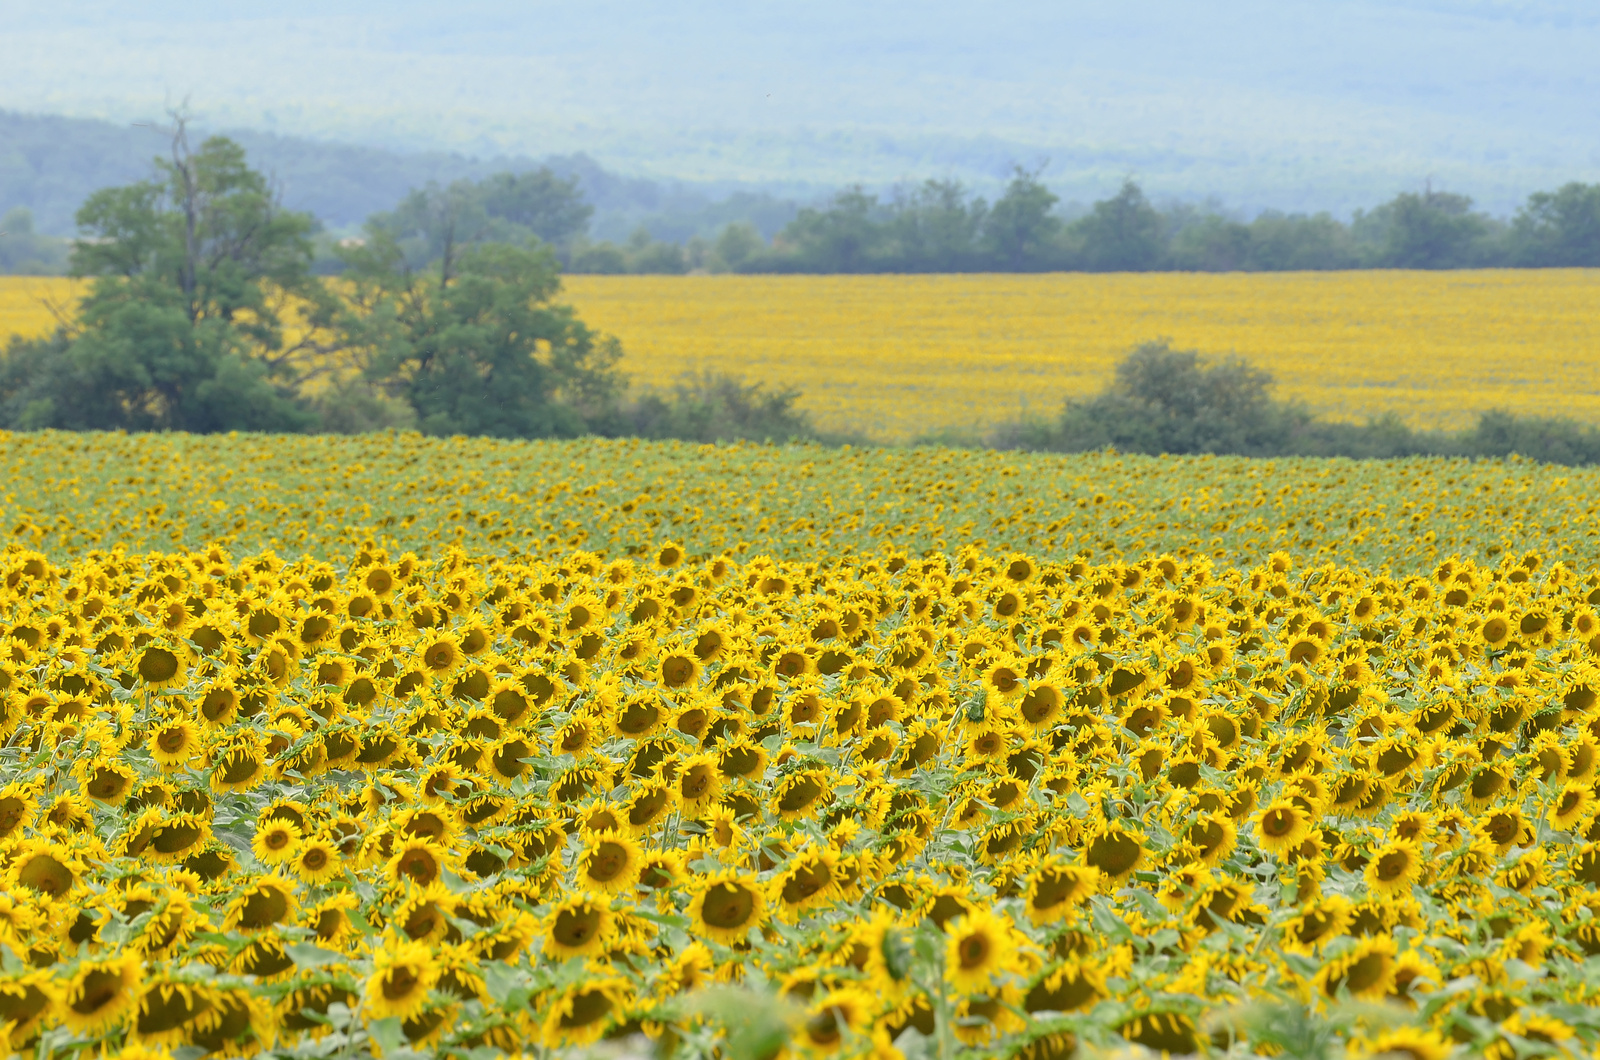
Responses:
[1292,104]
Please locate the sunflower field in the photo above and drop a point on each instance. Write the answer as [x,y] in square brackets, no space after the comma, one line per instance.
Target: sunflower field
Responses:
[897,357]
[389,746]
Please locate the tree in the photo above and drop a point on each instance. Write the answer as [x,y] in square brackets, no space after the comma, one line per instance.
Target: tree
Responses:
[1173,401]
[1020,231]
[196,272]
[1122,233]
[1559,228]
[1295,241]
[539,203]
[1211,243]
[737,244]
[25,252]
[936,226]
[482,348]
[845,237]
[436,223]
[1431,230]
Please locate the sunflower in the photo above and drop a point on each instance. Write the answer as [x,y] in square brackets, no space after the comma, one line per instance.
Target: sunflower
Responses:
[1366,969]
[173,742]
[699,783]
[1115,851]
[611,864]
[678,670]
[241,765]
[166,1009]
[1318,924]
[259,903]
[726,906]
[835,1019]
[578,927]
[173,919]
[1504,828]
[647,808]
[660,870]
[420,861]
[161,667]
[1282,826]
[1005,679]
[584,1011]
[403,971]
[978,947]
[101,993]
[27,1001]
[42,867]
[330,919]
[317,861]
[981,1018]
[425,913]
[109,782]
[806,882]
[1393,867]
[1055,888]
[688,970]
[1575,802]
[798,794]
[276,842]
[1404,1043]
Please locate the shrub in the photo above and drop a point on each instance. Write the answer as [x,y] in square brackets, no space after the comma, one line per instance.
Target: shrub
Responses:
[712,408]
[1174,401]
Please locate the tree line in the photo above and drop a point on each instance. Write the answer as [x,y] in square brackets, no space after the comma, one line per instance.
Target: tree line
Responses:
[205,313]
[939,226]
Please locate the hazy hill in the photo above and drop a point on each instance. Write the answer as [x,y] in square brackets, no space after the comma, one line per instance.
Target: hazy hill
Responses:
[49,164]
[1286,103]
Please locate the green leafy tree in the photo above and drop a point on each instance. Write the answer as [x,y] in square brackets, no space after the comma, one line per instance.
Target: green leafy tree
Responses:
[1020,231]
[1298,242]
[847,236]
[436,223]
[1121,234]
[1430,230]
[481,348]
[936,227]
[24,251]
[195,273]
[1211,243]
[736,245]
[1559,228]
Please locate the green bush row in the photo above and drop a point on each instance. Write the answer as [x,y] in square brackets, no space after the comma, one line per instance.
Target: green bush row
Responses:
[1174,401]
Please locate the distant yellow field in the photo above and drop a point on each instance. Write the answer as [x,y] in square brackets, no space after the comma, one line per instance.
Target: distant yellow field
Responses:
[25,303]
[895,356]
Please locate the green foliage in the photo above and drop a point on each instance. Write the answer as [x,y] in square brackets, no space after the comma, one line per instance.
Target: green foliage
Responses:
[183,326]
[434,224]
[716,408]
[24,252]
[1433,230]
[1560,228]
[1175,402]
[481,348]
[1121,234]
[1169,401]
[642,254]
[1020,232]
[199,273]
[939,227]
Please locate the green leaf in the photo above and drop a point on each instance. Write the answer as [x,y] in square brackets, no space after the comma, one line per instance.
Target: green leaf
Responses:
[308,955]
[388,1033]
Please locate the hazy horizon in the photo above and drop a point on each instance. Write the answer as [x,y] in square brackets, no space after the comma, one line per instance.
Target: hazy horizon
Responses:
[1298,104]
